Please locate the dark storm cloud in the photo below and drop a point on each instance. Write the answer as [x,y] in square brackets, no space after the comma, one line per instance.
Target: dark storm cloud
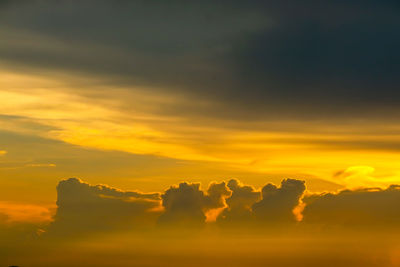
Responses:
[268,58]
[311,61]
[160,44]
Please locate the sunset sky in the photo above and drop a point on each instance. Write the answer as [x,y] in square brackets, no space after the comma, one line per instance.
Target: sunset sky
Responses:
[144,95]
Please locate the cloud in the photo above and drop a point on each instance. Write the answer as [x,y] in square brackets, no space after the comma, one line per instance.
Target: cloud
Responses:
[260,56]
[85,208]
[41,165]
[21,225]
[277,204]
[11,213]
[371,207]
[255,57]
[216,195]
[187,204]
[363,177]
[88,208]
[104,226]
[239,203]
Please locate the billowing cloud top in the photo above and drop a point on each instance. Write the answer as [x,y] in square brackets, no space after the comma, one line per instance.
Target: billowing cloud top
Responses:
[239,203]
[86,208]
[187,204]
[277,204]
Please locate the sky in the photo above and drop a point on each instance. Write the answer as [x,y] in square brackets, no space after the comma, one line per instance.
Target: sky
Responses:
[159,97]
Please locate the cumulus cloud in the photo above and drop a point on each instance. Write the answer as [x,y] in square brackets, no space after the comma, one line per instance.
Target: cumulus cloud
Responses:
[187,204]
[355,208]
[216,195]
[239,203]
[100,220]
[85,208]
[277,204]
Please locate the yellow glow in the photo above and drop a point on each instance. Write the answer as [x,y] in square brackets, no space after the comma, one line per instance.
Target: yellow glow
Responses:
[25,213]
[129,120]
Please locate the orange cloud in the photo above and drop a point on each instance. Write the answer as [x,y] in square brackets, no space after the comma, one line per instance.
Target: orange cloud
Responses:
[24,213]
[136,120]
[41,165]
[363,176]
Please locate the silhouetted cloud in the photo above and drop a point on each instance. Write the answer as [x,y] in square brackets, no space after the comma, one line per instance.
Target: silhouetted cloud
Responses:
[277,204]
[216,195]
[85,208]
[371,207]
[186,204]
[239,203]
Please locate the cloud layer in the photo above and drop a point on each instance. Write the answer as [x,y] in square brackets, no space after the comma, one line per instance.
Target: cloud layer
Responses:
[260,57]
[86,208]
[206,81]
[368,207]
